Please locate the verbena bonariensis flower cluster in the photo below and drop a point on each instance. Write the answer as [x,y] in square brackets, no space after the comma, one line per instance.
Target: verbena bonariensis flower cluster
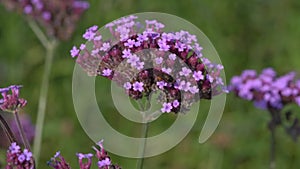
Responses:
[10,100]
[19,159]
[16,158]
[58,17]
[142,58]
[270,92]
[85,160]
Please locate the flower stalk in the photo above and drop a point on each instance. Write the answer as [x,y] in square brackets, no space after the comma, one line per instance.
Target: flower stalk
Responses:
[144,134]
[50,48]
[273,149]
[21,130]
[7,130]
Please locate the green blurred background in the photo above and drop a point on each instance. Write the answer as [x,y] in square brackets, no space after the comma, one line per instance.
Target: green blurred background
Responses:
[247,34]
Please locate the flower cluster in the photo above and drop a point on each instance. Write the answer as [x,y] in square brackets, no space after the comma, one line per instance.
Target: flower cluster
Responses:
[16,158]
[58,162]
[85,160]
[272,93]
[57,16]
[266,90]
[10,100]
[149,59]
[104,161]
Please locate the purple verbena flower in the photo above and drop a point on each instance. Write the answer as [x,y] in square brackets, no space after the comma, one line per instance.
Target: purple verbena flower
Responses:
[11,101]
[74,52]
[88,157]
[167,107]
[138,86]
[161,84]
[175,103]
[106,72]
[166,70]
[58,162]
[15,158]
[126,53]
[104,163]
[127,85]
[185,72]
[158,60]
[105,47]
[198,76]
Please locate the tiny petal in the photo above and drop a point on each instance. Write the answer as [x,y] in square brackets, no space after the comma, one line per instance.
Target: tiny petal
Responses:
[127,85]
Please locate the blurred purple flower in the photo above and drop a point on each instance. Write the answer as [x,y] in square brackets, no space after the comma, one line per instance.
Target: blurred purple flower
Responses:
[266,90]
[271,93]
[58,17]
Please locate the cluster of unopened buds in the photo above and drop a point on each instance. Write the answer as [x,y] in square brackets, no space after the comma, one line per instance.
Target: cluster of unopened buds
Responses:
[10,100]
[142,58]
[58,17]
[267,90]
[85,160]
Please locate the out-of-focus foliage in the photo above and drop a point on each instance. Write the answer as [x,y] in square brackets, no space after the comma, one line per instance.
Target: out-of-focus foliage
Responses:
[247,34]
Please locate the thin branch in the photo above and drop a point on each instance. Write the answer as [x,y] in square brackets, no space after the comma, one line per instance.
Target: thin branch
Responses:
[273,149]
[43,100]
[7,130]
[144,135]
[21,130]
[38,32]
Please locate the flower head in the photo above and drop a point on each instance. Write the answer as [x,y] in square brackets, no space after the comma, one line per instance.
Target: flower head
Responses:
[143,58]
[266,90]
[88,157]
[10,98]
[16,158]
[58,17]
[58,162]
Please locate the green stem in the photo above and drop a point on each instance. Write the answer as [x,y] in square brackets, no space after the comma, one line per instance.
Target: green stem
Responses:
[144,135]
[273,149]
[38,32]
[7,130]
[43,99]
[21,130]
